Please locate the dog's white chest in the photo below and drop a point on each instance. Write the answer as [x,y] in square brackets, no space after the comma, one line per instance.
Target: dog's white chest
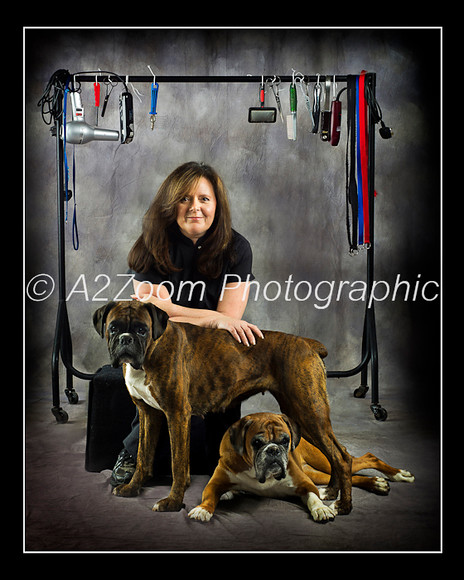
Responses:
[246,481]
[135,383]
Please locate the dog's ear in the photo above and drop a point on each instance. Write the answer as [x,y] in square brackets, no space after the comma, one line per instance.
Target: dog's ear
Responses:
[99,318]
[294,430]
[159,320]
[237,433]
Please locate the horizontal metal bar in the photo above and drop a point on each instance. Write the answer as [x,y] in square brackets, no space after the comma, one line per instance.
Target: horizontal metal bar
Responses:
[204,79]
[351,372]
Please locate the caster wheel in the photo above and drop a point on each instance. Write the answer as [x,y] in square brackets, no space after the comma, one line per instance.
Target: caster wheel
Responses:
[73,397]
[379,412]
[360,392]
[60,415]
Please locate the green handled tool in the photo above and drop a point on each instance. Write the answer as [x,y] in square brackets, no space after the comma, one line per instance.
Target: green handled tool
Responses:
[291,119]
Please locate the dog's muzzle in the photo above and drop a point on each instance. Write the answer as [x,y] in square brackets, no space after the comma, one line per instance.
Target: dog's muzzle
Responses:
[271,461]
[127,348]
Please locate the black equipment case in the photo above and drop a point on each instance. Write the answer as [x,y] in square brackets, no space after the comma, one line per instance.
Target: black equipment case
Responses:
[110,415]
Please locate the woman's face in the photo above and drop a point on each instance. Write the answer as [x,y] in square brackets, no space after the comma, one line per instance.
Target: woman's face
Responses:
[195,212]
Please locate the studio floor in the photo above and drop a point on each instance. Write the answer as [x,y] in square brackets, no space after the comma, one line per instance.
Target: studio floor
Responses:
[68,509]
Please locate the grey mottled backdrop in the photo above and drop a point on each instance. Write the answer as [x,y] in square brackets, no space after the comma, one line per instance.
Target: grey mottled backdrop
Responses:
[287,197]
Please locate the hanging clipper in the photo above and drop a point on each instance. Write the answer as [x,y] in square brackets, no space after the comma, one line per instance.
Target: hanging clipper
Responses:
[126,117]
[262,114]
[326,112]
[336,116]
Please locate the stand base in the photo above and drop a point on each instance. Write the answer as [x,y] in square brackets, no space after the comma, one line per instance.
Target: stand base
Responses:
[73,397]
[60,415]
[361,391]
[379,412]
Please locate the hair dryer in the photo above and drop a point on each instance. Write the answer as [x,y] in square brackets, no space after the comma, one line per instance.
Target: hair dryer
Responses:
[78,132]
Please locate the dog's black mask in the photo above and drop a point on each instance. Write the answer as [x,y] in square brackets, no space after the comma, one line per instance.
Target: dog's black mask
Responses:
[127,343]
[270,459]
[269,451]
[128,335]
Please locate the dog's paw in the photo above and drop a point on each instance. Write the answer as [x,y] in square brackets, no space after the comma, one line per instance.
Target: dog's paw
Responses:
[323,513]
[168,504]
[380,486]
[227,495]
[125,490]
[319,511]
[402,475]
[341,508]
[200,514]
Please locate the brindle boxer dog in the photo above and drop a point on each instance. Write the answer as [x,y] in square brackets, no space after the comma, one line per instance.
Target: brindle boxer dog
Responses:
[182,370]
[263,454]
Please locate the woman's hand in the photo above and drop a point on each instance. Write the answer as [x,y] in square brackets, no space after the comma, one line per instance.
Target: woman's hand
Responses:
[243,331]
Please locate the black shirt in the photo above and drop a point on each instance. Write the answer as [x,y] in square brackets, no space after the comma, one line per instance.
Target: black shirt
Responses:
[189,287]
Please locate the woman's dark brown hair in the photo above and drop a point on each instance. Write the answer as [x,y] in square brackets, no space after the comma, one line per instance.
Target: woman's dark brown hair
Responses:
[152,247]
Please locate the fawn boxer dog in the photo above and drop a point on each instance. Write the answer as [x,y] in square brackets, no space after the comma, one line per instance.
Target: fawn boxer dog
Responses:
[181,370]
[263,454]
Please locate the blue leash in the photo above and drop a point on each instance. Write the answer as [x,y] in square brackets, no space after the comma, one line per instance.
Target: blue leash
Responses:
[75,233]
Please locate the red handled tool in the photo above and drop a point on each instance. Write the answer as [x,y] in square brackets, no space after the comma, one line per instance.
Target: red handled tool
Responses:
[96,90]
[262,114]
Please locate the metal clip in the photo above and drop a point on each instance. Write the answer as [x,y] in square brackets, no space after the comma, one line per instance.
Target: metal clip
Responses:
[154,99]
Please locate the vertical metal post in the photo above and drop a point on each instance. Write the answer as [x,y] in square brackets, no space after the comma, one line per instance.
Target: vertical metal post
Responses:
[62,344]
[379,413]
[60,415]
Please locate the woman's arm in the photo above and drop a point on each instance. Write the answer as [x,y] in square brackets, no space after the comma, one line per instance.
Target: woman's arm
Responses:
[227,316]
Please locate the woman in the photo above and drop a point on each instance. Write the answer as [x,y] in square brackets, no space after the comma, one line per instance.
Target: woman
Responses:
[180,263]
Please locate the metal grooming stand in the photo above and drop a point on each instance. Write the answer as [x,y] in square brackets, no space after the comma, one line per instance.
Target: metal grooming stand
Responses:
[63,342]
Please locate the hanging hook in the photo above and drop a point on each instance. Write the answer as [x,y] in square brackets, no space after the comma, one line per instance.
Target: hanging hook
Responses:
[74,89]
[274,82]
[154,76]
[297,77]
[137,93]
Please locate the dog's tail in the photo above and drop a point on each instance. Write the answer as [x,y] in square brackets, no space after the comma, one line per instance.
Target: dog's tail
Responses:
[317,346]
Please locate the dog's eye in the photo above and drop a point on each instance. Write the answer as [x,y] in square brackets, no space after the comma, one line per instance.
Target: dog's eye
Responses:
[141,330]
[257,443]
[285,440]
[112,329]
